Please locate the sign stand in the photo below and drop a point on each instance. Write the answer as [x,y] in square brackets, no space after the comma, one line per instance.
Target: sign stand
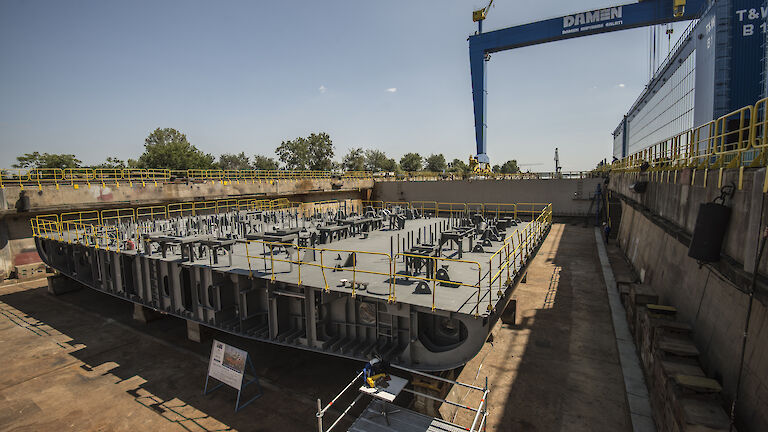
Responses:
[227,365]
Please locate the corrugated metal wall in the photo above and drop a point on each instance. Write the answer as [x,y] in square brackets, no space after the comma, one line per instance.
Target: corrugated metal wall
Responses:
[668,112]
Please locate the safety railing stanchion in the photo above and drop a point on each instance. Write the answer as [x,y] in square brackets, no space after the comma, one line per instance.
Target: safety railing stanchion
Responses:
[248,258]
[272,262]
[322,271]
[321,412]
[298,259]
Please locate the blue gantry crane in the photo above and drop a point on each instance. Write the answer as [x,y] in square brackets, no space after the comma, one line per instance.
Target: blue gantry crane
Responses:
[481,45]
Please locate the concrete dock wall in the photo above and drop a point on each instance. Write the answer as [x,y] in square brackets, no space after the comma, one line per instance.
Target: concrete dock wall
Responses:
[67,197]
[712,305]
[678,202]
[18,248]
[654,233]
[569,197]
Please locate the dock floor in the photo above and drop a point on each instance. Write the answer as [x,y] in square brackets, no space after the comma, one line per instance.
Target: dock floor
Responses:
[557,368]
[79,362]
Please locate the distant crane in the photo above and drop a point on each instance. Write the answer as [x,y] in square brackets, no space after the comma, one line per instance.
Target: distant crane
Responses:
[479,15]
[557,162]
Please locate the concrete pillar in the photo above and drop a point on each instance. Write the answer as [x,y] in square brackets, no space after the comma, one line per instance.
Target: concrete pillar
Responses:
[193,331]
[509,316]
[310,324]
[59,284]
[144,314]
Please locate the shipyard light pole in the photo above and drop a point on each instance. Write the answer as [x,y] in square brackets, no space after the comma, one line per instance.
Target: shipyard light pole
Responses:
[481,45]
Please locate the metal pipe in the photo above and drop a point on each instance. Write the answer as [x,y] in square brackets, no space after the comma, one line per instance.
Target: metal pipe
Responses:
[482,423]
[288,294]
[479,408]
[438,399]
[345,412]
[342,392]
[319,416]
[437,377]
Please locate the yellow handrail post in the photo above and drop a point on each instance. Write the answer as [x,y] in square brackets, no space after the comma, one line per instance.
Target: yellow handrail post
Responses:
[322,271]
[354,273]
[434,287]
[298,259]
[248,258]
[391,282]
[272,262]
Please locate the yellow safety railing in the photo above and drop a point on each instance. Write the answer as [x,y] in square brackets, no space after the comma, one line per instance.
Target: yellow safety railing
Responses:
[152,212]
[89,217]
[374,204]
[500,209]
[476,208]
[530,209]
[735,140]
[22,177]
[268,257]
[758,156]
[393,204]
[515,256]
[181,209]
[102,230]
[253,204]
[451,209]
[425,207]
[312,208]
[115,216]
[46,226]
[433,279]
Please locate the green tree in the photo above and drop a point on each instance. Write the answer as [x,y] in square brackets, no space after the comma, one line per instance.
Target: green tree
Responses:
[294,154]
[314,152]
[496,168]
[436,163]
[229,161]
[354,160]
[168,148]
[320,152]
[376,161]
[264,163]
[411,162]
[111,163]
[47,160]
[458,166]
[510,167]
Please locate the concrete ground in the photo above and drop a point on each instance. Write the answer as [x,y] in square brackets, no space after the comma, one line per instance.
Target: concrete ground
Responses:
[557,368]
[79,362]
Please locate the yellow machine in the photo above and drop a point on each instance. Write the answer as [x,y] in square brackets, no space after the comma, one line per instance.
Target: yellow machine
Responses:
[479,168]
[372,380]
[678,7]
[480,14]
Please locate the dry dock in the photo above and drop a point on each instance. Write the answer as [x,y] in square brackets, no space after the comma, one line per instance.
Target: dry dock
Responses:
[79,362]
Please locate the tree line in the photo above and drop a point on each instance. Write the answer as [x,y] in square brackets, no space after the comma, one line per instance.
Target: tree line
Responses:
[167,148]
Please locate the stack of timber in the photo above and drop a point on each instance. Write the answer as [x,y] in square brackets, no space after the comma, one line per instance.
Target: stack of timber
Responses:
[683,398]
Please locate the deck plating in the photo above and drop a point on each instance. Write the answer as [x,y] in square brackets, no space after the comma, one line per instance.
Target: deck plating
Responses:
[418,285]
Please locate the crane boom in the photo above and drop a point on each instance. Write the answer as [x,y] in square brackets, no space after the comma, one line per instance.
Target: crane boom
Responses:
[644,13]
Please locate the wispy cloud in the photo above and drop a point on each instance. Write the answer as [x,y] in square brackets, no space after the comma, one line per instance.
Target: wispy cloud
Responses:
[622,85]
[322,89]
[392,89]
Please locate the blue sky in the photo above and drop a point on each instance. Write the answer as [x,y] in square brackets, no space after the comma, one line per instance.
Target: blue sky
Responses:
[95,77]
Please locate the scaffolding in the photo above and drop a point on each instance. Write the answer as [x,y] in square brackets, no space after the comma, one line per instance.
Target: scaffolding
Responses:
[478,422]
